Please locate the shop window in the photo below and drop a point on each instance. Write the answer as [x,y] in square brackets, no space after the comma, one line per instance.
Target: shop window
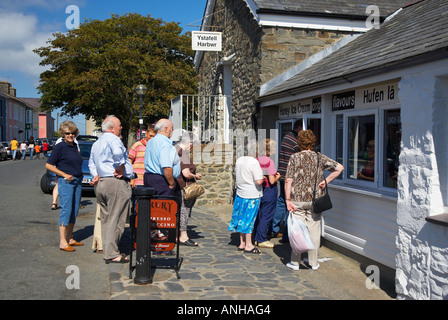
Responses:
[361,147]
[392,138]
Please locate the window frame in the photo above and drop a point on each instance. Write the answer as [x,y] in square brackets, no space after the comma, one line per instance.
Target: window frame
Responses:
[378,183]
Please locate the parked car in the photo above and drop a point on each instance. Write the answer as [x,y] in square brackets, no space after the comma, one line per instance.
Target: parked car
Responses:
[3,153]
[48,180]
[5,144]
[86,138]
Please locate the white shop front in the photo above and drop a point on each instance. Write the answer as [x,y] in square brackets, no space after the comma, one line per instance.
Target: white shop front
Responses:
[361,128]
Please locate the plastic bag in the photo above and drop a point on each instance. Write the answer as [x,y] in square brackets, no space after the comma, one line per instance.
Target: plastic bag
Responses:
[299,237]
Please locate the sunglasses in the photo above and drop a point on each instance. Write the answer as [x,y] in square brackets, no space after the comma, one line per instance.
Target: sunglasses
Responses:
[68,133]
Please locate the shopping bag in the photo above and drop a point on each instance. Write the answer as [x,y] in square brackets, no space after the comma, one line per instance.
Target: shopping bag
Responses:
[299,237]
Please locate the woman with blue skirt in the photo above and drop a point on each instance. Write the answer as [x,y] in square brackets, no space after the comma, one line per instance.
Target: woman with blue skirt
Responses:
[249,180]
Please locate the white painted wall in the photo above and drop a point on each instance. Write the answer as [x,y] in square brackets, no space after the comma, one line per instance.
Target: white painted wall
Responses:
[422,247]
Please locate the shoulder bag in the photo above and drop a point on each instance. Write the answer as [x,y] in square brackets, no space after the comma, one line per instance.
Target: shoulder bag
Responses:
[323,203]
[193,190]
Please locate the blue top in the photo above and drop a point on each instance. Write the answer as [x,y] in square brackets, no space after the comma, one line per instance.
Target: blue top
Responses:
[67,158]
[108,153]
[160,153]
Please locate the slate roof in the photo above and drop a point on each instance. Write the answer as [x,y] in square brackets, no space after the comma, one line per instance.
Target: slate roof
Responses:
[347,8]
[417,31]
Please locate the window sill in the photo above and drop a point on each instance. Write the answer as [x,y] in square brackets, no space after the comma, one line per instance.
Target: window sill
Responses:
[392,196]
[440,219]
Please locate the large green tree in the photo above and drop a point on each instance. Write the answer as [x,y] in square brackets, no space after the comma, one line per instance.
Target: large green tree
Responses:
[94,70]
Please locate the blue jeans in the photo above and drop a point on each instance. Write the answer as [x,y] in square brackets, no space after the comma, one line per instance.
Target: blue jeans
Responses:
[281,214]
[69,198]
[31,153]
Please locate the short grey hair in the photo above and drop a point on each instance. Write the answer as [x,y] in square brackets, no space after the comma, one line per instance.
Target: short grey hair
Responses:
[108,123]
[161,124]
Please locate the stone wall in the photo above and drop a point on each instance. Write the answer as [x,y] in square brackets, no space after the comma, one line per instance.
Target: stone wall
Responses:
[215,163]
[261,53]
[422,247]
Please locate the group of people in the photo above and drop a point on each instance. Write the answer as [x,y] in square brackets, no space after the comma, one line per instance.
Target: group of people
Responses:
[31,146]
[152,162]
[264,195]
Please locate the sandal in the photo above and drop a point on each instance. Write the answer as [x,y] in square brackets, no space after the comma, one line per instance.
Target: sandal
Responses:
[189,243]
[123,259]
[54,206]
[255,250]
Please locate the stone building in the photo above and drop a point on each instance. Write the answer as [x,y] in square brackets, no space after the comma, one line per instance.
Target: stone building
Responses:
[261,40]
[382,91]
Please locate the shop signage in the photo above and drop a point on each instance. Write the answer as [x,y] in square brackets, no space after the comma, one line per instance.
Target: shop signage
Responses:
[377,95]
[316,106]
[298,108]
[343,101]
[163,224]
[206,41]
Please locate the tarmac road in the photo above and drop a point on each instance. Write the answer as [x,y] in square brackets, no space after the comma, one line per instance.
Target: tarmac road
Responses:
[33,267]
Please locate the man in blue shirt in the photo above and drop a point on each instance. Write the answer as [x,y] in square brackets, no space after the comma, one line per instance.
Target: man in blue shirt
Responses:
[162,163]
[112,171]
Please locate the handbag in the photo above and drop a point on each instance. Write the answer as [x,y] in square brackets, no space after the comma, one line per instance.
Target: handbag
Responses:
[193,190]
[299,237]
[322,203]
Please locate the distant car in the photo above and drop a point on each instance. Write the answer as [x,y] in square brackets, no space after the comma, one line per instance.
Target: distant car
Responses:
[3,153]
[48,180]
[8,149]
[86,138]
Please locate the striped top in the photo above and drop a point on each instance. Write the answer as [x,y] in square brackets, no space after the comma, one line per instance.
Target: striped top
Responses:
[288,147]
[137,157]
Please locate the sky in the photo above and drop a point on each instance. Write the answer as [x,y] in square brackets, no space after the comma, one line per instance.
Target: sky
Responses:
[28,24]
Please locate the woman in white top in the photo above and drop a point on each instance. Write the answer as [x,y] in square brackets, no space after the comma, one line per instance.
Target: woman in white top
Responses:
[249,180]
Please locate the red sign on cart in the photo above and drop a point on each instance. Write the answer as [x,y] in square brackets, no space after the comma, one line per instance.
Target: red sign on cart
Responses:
[163,224]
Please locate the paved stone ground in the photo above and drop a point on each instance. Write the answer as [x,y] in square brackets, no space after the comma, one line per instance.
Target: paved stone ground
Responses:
[216,270]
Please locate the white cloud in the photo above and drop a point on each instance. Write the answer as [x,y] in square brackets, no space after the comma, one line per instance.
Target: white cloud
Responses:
[19,36]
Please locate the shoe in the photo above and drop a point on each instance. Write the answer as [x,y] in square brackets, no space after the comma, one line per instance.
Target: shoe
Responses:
[189,243]
[255,250]
[76,244]
[292,266]
[68,248]
[266,244]
[123,259]
[315,267]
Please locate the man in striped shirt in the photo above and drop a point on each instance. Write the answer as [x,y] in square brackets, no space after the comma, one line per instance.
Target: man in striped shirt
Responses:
[288,147]
[136,155]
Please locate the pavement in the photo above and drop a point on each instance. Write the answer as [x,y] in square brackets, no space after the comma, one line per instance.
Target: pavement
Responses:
[216,270]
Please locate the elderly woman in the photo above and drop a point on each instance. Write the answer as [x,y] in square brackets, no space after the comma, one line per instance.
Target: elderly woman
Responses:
[299,185]
[66,162]
[249,190]
[188,175]
[268,202]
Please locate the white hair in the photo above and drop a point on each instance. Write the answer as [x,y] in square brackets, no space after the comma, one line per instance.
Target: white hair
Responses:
[108,123]
[161,124]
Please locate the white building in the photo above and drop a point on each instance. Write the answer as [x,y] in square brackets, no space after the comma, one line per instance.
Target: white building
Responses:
[379,106]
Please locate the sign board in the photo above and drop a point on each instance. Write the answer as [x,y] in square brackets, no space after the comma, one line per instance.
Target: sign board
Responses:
[163,224]
[298,108]
[206,41]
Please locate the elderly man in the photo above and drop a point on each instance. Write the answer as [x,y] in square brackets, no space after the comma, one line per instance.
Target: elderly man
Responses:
[162,163]
[112,171]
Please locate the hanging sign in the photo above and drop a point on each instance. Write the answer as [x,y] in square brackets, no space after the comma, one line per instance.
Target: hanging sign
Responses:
[206,41]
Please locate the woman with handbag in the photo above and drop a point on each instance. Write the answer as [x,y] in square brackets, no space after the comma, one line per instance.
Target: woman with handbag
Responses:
[300,180]
[188,176]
